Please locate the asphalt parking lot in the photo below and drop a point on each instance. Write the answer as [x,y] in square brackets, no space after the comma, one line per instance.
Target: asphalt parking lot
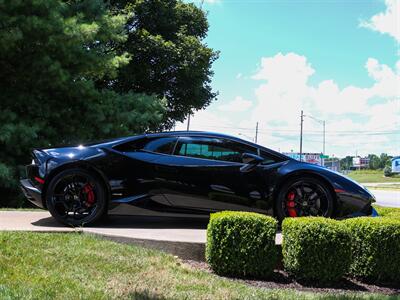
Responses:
[390,198]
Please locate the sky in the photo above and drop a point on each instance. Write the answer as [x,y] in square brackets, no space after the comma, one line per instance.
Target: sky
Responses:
[337,60]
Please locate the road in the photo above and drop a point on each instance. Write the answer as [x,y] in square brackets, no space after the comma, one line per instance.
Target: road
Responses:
[387,198]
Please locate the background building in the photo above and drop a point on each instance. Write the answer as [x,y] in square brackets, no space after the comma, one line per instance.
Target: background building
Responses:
[312,158]
[360,162]
[332,163]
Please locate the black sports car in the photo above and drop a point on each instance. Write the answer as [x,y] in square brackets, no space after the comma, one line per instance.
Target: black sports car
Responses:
[191,173]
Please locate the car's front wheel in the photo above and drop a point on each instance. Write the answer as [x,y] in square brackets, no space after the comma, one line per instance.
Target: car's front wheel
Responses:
[304,196]
[76,197]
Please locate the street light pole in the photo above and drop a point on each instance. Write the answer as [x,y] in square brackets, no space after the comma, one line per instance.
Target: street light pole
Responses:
[324,133]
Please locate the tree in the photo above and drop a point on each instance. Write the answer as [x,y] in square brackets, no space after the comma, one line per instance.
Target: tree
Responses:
[168,56]
[374,161]
[51,54]
[385,160]
[346,163]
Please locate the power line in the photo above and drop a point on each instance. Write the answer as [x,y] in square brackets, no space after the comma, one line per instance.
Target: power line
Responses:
[313,132]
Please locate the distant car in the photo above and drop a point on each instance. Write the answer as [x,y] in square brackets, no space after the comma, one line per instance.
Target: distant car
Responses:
[185,173]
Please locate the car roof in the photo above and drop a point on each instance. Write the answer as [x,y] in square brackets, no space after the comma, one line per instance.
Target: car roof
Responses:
[191,133]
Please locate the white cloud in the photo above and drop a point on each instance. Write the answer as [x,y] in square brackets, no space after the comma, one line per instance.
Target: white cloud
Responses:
[387,83]
[239,75]
[237,105]
[387,22]
[352,121]
[274,69]
[286,92]
[208,121]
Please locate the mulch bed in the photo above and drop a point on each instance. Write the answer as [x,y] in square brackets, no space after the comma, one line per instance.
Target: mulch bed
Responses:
[281,280]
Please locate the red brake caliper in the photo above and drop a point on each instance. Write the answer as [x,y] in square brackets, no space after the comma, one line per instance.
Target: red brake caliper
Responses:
[290,204]
[88,191]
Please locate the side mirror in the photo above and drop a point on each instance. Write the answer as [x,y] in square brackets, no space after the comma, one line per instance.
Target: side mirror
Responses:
[251,161]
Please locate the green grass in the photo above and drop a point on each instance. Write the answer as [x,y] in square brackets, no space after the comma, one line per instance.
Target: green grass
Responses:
[76,266]
[388,187]
[367,176]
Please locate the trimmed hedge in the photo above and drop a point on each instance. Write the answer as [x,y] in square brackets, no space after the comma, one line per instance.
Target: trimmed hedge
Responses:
[316,248]
[388,212]
[241,244]
[375,248]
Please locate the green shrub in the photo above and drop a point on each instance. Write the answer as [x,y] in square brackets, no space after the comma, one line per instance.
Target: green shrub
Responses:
[316,249]
[375,248]
[241,244]
[388,212]
[387,171]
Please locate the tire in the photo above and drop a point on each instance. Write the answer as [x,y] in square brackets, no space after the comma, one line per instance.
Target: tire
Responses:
[321,204]
[68,192]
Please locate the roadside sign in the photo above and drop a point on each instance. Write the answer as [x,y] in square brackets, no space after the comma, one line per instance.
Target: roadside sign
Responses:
[324,156]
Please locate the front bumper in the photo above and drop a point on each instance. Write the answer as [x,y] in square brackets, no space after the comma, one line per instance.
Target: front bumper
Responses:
[32,193]
[367,211]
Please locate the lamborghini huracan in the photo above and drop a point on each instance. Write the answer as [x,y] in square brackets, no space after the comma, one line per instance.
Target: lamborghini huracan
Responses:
[185,174]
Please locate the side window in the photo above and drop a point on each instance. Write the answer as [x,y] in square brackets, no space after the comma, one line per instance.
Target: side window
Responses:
[268,158]
[162,145]
[132,146]
[210,148]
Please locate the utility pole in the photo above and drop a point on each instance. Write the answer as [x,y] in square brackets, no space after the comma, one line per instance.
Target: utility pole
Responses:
[188,123]
[255,139]
[324,138]
[301,135]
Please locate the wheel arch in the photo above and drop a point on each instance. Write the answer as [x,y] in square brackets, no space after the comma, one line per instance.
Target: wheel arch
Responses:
[81,165]
[308,173]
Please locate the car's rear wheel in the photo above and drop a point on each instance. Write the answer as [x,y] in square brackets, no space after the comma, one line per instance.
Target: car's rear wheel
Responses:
[304,196]
[76,197]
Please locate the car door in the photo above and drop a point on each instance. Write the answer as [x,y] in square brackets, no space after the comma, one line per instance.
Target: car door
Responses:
[142,183]
[208,176]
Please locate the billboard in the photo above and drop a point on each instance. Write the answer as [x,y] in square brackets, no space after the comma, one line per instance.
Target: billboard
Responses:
[312,158]
[357,161]
[360,162]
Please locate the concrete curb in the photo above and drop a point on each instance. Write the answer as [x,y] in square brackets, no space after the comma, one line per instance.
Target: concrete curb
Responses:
[185,238]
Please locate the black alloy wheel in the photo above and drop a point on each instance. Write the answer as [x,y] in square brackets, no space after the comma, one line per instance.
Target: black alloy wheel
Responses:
[75,197]
[301,197]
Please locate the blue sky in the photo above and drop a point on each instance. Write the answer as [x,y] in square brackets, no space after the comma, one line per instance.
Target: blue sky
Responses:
[336,60]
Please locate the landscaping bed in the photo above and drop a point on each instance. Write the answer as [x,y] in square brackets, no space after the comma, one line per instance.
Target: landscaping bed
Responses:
[282,280]
[317,254]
